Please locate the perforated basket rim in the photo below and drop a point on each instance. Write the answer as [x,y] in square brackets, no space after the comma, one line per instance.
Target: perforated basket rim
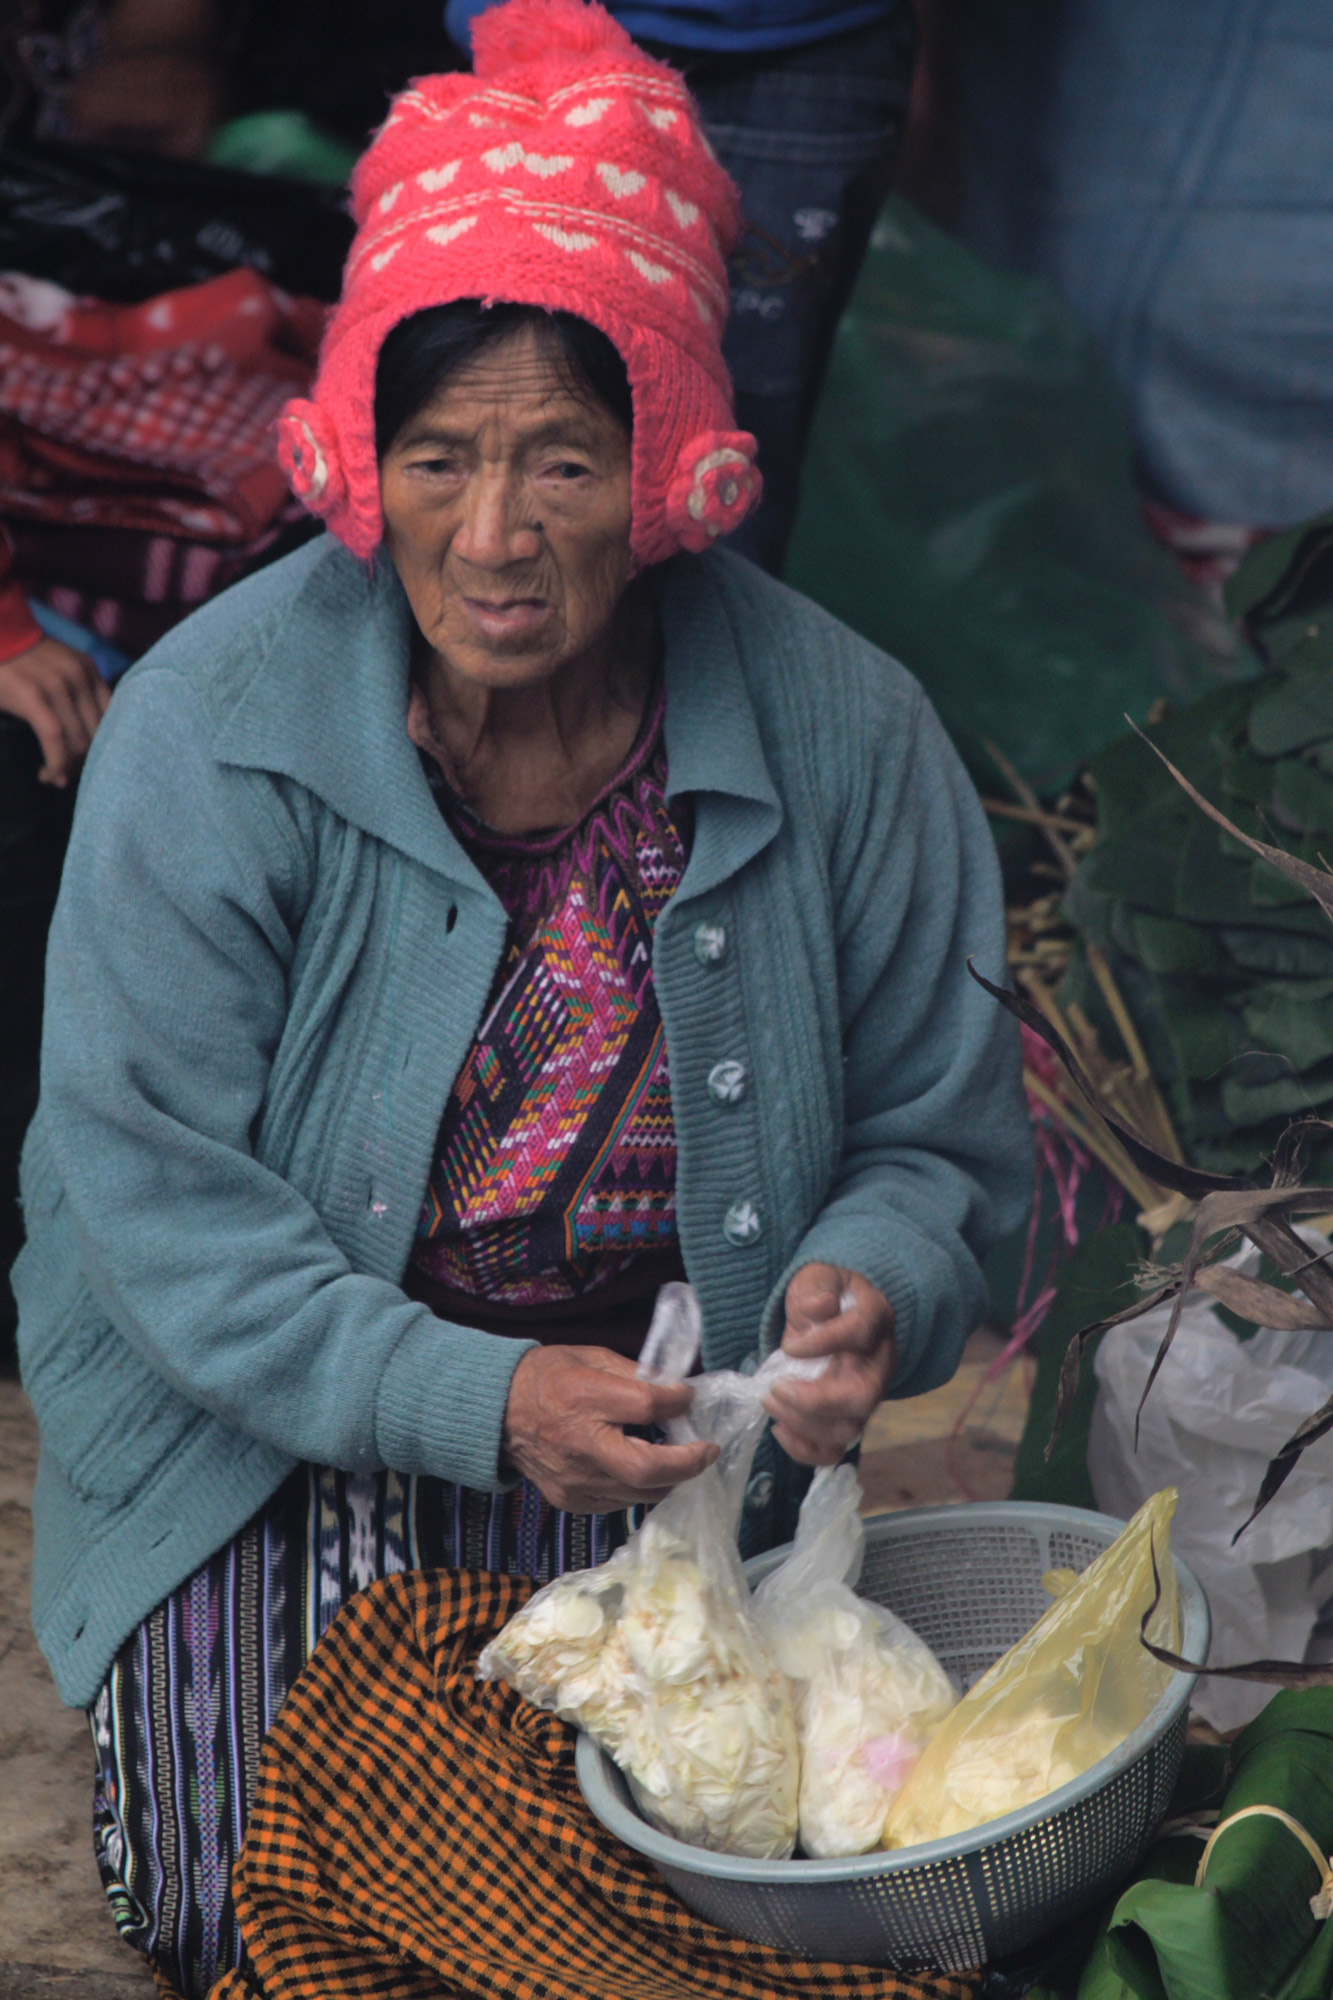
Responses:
[593,1767]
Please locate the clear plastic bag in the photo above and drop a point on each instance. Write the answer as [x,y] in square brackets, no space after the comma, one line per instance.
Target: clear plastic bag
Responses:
[656,1653]
[1063,1697]
[868,1692]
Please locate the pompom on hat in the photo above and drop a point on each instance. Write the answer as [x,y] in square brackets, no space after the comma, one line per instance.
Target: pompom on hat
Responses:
[569,172]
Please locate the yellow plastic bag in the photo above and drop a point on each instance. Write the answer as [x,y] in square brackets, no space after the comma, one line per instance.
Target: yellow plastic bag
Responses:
[1068,1692]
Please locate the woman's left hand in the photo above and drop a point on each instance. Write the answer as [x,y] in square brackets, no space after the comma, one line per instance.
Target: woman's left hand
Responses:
[835,1312]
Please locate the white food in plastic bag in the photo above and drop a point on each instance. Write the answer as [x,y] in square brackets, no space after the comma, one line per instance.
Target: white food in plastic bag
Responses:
[869,1693]
[655,1653]
[1219,1410]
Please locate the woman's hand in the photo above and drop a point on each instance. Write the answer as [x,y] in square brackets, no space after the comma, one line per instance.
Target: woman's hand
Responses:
[838,1313]
[62,697]
[564,1430]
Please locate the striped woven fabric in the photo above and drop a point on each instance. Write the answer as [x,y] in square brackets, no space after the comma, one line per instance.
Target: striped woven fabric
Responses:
[416,1834]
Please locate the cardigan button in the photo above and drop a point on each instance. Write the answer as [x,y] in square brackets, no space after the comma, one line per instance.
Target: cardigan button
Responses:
[726,1082]
[758,1493]
[710,943]
[741,1224]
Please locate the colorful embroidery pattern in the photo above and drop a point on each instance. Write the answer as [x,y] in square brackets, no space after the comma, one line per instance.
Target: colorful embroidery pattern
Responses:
[556,1157]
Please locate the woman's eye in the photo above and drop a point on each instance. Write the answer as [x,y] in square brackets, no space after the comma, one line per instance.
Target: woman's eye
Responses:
[571,468]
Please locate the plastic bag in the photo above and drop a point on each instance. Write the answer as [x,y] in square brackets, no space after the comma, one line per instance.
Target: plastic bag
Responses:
[1063,1697]
[656,1653]
[1221,1407]
[968,503]
[869,1693]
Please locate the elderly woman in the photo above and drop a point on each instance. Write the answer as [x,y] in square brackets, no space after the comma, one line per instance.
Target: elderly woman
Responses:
[502,905]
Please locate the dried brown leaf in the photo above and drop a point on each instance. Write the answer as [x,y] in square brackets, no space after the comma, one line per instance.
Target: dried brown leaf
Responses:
[1071,1367]
[1268,1673]
[1264,1304]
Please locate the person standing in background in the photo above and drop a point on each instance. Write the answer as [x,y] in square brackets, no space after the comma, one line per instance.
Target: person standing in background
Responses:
[1170,170]
[804,102]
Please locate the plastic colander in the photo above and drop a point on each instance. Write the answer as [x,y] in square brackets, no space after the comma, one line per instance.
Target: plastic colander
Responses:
[968,1579]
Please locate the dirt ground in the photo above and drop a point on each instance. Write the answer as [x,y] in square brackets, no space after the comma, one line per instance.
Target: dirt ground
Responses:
[56,1936]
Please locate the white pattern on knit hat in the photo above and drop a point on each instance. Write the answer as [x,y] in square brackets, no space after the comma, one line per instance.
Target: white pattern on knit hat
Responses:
[565,239]
[656,274]
[435,178]
[445,232]
[561,214]
[389,197]
[620,183]
[589,113]
[501,158]
[685,212]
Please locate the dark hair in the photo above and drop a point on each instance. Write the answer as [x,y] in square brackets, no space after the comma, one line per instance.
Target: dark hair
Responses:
[420,354]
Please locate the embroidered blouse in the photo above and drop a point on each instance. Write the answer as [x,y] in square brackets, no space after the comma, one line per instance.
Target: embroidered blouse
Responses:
[551,1207]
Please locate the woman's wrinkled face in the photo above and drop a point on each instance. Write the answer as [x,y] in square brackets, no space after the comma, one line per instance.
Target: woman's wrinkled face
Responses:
[507,514]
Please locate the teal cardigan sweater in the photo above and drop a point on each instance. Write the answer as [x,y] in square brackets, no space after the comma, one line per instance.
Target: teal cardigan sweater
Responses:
[267,963]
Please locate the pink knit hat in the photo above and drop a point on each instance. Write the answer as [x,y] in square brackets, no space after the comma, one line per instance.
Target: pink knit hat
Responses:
[569,172]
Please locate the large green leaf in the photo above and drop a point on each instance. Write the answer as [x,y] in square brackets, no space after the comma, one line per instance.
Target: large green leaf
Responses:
[1302,795]
[1283,576]
[1247,1103]
[1248,1929]
[1096,1281]
[1300,1028]
[1285,954]
[1259,579]
[1295,712]
[1164,945]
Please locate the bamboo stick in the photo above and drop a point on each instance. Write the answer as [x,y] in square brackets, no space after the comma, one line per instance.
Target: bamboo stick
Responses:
[1024,793]
[1117,1163]
[1034,816]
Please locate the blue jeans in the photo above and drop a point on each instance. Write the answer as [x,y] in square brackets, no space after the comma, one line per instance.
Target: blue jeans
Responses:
[810,136]
[1169,165]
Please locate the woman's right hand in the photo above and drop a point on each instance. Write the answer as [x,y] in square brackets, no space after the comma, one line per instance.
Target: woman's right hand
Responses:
[62,697]
[564,1430]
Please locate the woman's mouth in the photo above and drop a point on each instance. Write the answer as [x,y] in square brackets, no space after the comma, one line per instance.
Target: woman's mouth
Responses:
[507,617]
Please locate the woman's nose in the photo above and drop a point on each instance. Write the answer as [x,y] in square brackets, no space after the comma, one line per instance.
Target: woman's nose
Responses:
[495,529]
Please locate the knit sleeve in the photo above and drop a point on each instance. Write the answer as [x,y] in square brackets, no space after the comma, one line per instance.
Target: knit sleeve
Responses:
[183,898]
[936,1158]
[19,630]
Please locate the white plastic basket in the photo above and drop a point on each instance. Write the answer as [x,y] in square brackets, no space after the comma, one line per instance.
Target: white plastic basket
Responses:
[968,1579]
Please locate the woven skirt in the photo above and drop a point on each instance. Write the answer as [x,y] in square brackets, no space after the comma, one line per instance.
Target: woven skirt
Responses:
[193,1692]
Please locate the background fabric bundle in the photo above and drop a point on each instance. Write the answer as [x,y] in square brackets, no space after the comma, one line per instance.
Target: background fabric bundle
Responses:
[136,461]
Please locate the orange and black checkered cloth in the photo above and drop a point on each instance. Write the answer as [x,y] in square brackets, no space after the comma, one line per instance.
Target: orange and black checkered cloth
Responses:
[418,1835]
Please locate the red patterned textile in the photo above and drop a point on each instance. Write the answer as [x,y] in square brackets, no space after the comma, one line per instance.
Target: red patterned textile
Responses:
[157,417]
[556,1160]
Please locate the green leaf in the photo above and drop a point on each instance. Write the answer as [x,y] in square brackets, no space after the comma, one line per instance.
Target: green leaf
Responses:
[1204,1036]
[1292,714]
[1281,575]
[1302,796]
[1262,571]
[1249,1929]
[1167,946]
[1283,953]
[1210,887]
[1299,1029]
[1096,1281]
[1284,1097]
